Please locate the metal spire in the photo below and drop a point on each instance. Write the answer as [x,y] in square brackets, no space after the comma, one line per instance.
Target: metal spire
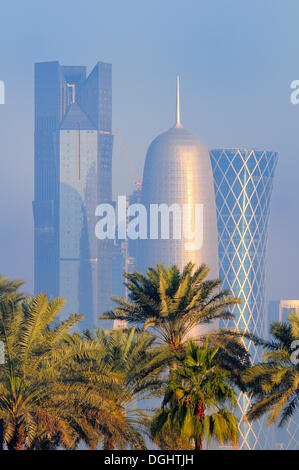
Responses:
[178,113]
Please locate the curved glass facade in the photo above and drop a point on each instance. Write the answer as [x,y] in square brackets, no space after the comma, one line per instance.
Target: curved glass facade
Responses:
[243,180]
[178,174]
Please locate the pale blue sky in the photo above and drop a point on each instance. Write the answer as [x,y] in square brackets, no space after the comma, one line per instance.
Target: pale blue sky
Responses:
[236,59]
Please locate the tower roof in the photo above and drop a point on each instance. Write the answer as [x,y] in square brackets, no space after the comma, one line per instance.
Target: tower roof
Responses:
[177,135]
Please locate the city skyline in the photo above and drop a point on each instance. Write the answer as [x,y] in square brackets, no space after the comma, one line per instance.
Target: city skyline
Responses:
[230,58]
[287,437]
[94,184]
[246,61]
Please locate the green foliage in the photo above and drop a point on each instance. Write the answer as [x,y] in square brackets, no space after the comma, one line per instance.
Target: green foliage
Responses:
[34,397]
[58,388]
[175,305]
[197,400]
[137,363]
[274,382]
[172,303]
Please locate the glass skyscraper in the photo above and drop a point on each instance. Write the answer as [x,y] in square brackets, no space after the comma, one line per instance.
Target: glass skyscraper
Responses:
[73,174]
[243,180]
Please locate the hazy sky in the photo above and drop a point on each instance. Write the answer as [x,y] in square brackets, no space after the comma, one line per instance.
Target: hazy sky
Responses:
[236,59]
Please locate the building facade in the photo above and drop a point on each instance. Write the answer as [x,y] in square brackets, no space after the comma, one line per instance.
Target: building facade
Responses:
[243,181]
[73,174]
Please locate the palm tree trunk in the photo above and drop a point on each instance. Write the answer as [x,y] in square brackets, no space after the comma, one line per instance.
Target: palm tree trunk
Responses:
[109,442]
[198,444]
[199,411]
[16,444]
[18,440]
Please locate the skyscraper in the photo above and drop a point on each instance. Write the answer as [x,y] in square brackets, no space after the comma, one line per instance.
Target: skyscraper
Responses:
[178,172]
[243,181]
[73,166]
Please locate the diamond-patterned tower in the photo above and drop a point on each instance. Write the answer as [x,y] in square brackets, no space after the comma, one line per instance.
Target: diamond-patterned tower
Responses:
[243,180]
[177,172]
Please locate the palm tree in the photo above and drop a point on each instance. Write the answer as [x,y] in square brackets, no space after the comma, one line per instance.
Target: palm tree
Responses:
[274,382]
[172,303]
[8,290]
[138,363]
[58,388]
[195,400]
[42,402]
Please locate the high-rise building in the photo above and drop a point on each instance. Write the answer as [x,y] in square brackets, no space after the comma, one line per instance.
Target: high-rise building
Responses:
[73,174]
[178,172]
[243,181]
[286,437]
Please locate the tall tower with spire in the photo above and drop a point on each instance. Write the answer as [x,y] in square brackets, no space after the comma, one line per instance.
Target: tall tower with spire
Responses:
[178,171]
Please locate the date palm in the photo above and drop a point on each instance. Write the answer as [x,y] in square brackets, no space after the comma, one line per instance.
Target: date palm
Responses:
[198,400]
[8,288]
[274,382]
[138,363]
[171,303]
[42,401]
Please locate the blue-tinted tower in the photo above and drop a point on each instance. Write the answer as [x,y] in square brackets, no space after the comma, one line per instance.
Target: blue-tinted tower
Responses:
[73,174]
[243,180]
